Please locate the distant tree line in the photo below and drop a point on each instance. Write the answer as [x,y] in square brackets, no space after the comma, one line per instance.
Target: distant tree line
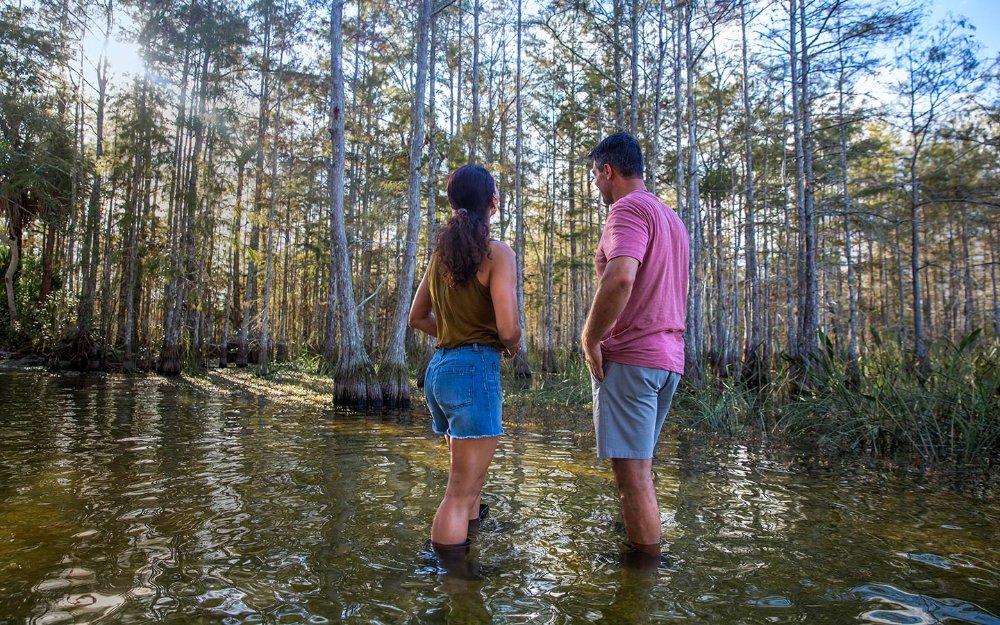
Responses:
[268,187]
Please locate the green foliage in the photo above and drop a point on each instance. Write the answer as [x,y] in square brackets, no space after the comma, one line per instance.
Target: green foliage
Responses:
[35,329]
[951,416]
[569,387]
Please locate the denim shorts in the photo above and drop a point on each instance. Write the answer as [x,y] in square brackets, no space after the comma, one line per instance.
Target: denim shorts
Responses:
[630,406]
[462,389]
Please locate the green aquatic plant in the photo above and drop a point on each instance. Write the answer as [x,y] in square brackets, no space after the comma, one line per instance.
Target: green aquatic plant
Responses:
[950,414]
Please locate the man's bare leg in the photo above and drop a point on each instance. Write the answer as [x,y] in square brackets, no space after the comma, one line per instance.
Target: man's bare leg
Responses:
[640,511]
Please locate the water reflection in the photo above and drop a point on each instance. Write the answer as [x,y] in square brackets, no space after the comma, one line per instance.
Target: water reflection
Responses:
[143,500]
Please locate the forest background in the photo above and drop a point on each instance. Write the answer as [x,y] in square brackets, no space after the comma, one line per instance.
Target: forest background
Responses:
[264,186]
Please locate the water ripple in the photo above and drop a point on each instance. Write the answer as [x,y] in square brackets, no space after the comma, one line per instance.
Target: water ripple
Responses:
[138,500]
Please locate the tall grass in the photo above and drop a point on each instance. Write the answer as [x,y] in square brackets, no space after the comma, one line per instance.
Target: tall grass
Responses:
[949,415]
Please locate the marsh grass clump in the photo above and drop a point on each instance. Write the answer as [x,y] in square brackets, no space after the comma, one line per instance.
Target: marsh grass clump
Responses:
[886,407]
[569,386]
[949,414]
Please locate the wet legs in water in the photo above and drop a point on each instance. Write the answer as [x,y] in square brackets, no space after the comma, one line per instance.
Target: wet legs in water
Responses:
[640,511]
[470,457]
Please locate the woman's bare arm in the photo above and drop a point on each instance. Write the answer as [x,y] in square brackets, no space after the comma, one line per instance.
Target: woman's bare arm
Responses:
[503,290]
[421,314]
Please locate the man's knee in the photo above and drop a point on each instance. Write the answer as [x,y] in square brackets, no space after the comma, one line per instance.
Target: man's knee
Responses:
[632,474]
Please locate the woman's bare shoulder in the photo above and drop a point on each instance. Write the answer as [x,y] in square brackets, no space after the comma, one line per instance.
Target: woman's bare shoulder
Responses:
[499,249]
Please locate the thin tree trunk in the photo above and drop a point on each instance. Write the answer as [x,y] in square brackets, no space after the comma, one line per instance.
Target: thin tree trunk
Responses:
[250,306]
[993,281]
[634,118]
[853,369]
[476,130]
[810,313]
[616,52]
[393,373]
[969,310]
[431,180]
[661,52]
[522,369]
[694,348]
[753,370]
[91,237]
[8,278]
[548,347]
[265,316]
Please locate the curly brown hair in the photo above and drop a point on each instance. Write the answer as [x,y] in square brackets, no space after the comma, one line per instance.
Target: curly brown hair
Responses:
[464,241]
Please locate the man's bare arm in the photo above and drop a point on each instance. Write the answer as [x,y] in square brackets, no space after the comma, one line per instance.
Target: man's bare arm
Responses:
[612,295]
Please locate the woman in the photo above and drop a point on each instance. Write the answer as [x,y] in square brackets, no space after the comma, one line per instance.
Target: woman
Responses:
[468,300]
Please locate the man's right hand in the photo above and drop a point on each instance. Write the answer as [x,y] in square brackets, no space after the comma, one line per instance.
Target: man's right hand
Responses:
[595,358]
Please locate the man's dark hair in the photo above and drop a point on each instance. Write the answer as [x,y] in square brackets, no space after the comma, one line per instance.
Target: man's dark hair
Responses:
[620,150]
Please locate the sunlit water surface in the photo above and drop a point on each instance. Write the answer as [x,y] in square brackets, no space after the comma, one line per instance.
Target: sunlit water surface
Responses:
[142,500]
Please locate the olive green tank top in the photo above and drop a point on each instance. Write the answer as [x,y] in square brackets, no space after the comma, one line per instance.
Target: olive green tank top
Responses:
[465,313]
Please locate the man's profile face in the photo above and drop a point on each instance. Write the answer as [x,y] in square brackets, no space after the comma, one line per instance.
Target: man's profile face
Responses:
[601,180]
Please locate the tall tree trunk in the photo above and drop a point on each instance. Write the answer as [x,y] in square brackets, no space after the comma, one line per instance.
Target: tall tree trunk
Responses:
[180,215]
[919,346]
[431,180]
[810,314]
[232,291]
[522,369]
[476,130]
[993,280]
[91,237]
[753,370]
[634,118]
[265,315]
[48,251]
[393,373]
[548,324]
[679,111]
[661,52]
[8,277]
[694,344]
[968,309]
[250,306]
[139,165]
[170,356]
[355,382]
[853,368]
[617,49]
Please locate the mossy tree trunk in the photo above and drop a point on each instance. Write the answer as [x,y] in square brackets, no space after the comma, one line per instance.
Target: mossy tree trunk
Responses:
[355,382]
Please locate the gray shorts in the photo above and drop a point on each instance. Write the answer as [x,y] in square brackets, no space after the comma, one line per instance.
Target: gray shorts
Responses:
[630,406]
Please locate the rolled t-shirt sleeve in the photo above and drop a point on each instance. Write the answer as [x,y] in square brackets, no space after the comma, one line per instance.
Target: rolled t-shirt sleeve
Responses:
[626,232]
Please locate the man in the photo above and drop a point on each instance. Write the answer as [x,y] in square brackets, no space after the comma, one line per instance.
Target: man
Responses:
[633,339]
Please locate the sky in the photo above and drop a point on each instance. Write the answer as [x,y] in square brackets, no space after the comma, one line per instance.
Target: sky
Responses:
[983,14]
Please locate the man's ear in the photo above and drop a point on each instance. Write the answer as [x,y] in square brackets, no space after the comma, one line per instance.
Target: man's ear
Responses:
[608,170]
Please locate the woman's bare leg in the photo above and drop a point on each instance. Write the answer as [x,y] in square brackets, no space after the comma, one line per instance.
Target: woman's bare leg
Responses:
[470,457]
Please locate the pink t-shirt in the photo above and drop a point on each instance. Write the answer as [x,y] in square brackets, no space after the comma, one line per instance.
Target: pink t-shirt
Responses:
[650,330]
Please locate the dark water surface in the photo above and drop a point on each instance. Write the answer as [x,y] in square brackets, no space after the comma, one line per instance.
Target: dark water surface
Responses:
[127,500]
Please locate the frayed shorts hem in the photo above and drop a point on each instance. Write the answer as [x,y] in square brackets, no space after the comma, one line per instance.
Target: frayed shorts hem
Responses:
[469,437]
[472,436]
[625,454]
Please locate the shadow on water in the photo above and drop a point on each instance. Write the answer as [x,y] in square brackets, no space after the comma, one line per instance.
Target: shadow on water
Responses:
[130,500]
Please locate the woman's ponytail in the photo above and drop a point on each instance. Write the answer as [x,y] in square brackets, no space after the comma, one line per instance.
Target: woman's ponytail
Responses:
[464,241]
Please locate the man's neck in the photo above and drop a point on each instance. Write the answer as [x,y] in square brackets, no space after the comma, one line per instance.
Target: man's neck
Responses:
[626,186]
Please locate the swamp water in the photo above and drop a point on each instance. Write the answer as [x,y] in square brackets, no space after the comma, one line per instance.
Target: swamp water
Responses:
[126,500]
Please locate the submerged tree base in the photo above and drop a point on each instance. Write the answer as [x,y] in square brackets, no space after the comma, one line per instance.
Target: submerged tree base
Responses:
[170,361]
[357,387]
[394,380]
